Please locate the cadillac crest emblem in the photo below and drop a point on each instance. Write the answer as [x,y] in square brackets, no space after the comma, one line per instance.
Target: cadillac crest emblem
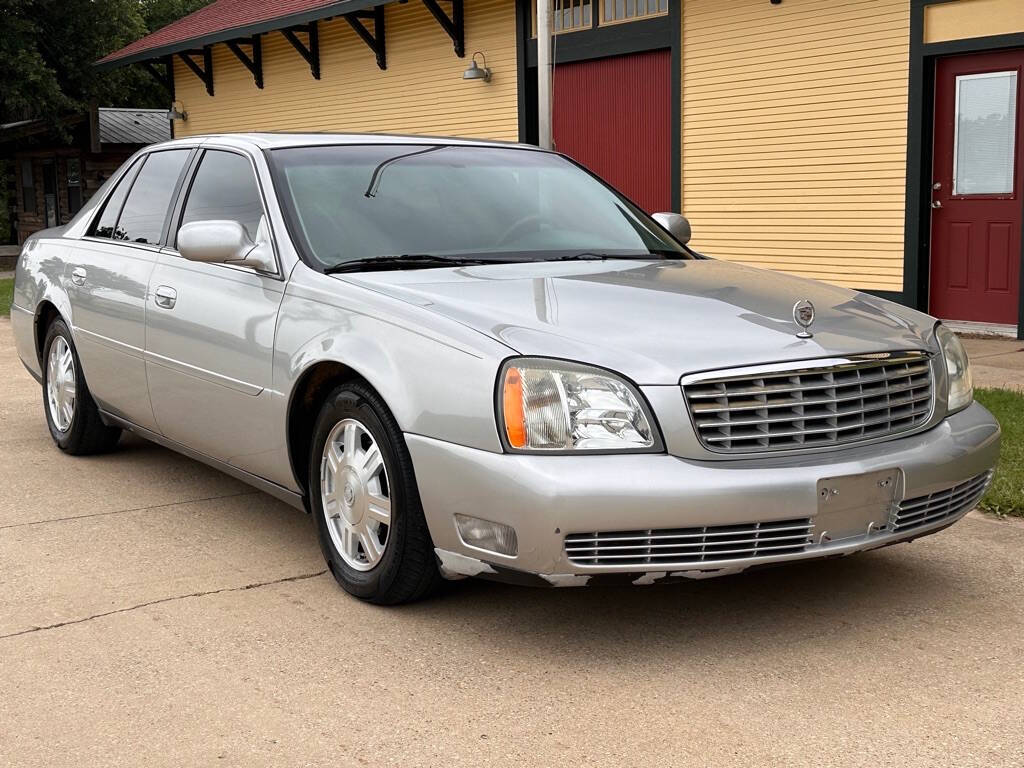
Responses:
[803,315]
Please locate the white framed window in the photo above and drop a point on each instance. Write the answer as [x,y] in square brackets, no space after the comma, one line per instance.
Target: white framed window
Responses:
[985,133]
[568,16]
[613,11]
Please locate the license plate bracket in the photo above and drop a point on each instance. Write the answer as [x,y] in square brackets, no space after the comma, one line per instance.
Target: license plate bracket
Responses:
[855,505]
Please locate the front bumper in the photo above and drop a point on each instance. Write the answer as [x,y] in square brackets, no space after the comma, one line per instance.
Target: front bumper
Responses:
[547,497]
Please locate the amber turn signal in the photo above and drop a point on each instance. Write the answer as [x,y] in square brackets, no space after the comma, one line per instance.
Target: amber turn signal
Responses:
[512,407]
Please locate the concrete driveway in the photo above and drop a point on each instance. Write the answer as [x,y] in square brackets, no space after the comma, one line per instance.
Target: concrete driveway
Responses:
[155,612]
[996,362]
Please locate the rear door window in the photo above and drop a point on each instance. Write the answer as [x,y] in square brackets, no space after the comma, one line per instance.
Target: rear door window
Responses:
[145,211]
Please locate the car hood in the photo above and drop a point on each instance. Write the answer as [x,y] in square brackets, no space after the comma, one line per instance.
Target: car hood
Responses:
[654,321]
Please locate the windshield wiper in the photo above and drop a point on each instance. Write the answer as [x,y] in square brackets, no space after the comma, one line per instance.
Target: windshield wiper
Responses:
[378,172]
[408,261]
[596,256]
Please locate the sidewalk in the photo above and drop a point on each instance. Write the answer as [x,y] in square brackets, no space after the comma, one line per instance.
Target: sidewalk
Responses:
[997,362]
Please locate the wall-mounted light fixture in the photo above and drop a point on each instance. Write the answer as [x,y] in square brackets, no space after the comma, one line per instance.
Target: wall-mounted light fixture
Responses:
[474,72]
[177,111]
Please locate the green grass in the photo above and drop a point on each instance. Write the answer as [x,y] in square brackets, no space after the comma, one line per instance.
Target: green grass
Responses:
[1006,496]
[6,295]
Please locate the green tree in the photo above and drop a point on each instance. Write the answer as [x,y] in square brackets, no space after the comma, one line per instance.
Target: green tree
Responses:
[48,48]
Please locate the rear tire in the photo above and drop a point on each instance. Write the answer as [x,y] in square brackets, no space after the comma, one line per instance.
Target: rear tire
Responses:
[71,414]
[367,509]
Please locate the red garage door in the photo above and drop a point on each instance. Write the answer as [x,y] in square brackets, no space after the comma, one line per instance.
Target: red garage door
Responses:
[614,116]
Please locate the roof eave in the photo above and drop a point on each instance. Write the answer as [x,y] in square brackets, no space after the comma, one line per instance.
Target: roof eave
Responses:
[270,25]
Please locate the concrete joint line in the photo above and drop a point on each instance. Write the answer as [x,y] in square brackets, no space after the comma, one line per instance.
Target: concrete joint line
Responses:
[300,577]
[125,511]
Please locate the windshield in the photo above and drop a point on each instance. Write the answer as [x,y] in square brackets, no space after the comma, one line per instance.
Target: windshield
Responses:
[355,203]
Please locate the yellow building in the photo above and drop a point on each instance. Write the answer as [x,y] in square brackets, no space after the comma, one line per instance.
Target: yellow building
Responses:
[872,143]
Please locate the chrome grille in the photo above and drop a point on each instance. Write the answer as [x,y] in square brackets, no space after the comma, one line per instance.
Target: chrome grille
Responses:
[810,405]
[705,544]
[940,505]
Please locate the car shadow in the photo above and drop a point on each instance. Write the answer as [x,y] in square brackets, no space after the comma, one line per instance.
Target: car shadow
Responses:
[745,614]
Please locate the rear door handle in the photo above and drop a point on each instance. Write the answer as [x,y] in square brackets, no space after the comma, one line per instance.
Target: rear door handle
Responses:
[78,276]
[165,296]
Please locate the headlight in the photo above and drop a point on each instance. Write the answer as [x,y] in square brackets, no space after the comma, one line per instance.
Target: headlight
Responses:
[958,369]
[550,405]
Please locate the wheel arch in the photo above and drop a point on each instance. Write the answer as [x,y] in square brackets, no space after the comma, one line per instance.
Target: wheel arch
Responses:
[46,313]
[311,388]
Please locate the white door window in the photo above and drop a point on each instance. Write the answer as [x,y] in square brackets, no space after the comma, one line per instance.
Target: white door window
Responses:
[983,143]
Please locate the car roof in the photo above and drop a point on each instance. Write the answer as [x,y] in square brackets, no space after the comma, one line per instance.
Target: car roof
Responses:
[269,140]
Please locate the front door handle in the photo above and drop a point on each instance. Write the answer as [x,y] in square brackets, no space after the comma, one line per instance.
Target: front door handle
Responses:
[165,296]
[78,276]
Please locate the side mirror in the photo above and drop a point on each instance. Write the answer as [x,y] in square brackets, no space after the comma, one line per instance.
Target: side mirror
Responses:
[225,242]
[676,224]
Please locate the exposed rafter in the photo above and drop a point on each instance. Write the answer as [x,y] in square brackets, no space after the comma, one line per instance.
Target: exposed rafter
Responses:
[310,50]
[253,60]
[165,78]
[375,40]
[204,73]
[453,25]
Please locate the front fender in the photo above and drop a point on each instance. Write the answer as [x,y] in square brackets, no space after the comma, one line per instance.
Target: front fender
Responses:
[435,385]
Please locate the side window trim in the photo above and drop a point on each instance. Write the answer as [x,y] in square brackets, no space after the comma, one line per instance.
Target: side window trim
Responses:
[178,196]
[178,209]
[181,197]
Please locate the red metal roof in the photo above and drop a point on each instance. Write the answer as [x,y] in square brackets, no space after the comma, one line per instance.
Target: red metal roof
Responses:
[220,19]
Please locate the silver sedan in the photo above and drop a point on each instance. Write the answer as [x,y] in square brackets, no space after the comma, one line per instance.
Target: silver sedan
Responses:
[476,359]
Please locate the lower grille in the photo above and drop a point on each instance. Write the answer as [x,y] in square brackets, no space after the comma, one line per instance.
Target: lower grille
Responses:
[689,545]
[951,502]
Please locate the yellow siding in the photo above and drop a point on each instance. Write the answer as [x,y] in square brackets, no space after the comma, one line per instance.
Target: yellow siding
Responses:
[794,131]
[421,91]
[972,18]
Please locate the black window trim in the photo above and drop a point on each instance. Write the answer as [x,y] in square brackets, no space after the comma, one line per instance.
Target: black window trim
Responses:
[130,177]
[68,186]
[31,185]
[178,209]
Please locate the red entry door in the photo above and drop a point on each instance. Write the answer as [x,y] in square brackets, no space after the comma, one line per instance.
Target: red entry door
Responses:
[977,181]
[614,116]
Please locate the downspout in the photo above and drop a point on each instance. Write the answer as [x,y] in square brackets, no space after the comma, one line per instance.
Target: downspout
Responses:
[544,74]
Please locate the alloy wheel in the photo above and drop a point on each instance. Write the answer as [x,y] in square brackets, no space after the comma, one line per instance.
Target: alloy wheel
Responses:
[355,494]
[61,386]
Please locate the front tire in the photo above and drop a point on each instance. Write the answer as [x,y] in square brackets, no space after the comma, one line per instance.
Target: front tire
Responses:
[71,414]
[365,502]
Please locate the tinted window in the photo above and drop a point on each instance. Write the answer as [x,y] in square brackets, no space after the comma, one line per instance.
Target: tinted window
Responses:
[142,219]
[105,225]
[225,188]
[356,202]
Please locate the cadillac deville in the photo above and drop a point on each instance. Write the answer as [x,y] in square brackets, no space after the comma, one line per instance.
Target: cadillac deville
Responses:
[476,359]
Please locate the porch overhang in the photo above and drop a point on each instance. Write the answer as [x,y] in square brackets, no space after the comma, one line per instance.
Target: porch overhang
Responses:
[204,28]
